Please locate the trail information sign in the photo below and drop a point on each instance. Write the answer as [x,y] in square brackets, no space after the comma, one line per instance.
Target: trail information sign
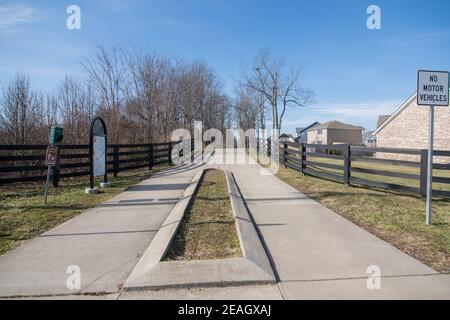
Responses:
[99,156]
[432,88]
[98,144]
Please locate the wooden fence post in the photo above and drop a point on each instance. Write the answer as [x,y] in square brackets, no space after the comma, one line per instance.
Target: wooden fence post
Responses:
[57,168]
[116,160]
[423,172]
[302,158]
[285,150]
[347,164]
[150,157]
[170,153]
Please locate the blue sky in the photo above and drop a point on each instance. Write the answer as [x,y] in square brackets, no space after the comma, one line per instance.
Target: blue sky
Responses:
[356,73]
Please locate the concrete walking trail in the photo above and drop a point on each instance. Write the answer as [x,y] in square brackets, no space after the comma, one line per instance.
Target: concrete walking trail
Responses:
[315,253]
[105,242]
[318,254]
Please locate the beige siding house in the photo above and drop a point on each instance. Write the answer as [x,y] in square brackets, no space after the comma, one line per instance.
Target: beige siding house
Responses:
[408,128]
[335,132]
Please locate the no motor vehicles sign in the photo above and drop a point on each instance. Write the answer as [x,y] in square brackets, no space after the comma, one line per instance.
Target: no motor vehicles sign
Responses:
[432,88]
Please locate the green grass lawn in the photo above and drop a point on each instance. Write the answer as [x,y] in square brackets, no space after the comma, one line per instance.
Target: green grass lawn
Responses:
[208,229]
[395,218]
[24,216]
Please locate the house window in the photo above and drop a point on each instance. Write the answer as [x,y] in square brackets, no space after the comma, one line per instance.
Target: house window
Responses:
[319,131]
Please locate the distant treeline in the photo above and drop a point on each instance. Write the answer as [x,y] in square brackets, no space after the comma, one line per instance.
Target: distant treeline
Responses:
[143,96]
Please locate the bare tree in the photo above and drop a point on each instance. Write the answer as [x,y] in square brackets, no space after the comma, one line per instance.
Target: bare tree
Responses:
[21,110]
[278,83]
[77,104]
[106,71]
[246,112]
[146,91]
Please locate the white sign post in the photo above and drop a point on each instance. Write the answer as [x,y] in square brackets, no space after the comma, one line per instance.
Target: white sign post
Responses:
[432,90]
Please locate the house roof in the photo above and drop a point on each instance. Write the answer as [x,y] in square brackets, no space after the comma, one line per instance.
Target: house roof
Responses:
[300,130]
[395,114]
[382,119]
[334,125]
[283,135]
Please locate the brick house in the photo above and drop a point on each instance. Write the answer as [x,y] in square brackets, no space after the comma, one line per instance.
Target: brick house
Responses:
[408,128]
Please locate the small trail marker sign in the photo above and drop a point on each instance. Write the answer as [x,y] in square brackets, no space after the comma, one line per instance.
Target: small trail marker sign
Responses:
[56,135]
[51,160]
[432,91]
[51,156]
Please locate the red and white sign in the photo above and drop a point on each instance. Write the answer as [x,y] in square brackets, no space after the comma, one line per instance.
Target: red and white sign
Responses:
[51,156]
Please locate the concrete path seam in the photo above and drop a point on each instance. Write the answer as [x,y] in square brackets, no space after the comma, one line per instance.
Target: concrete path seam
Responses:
[361,278]
[106,273]
[281,290]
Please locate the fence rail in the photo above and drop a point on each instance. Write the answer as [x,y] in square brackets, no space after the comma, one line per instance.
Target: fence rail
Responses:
[356,165]
[25,163]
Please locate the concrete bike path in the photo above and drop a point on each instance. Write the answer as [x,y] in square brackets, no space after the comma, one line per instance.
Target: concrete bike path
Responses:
[105,242]
[316,253]
[319,254]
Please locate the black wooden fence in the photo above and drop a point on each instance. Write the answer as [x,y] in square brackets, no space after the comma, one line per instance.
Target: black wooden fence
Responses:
[25,163]
[356,165]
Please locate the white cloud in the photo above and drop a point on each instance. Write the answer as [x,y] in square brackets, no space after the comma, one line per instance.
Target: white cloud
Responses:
[408,40]
[358,110]
[11,15]
[364,114]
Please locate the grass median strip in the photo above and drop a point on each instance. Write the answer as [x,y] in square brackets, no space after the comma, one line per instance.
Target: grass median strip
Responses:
[208,228]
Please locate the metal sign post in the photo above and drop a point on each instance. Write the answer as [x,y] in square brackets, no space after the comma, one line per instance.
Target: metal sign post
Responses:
[46,184]
[430,166]
[51,158]
[432,90]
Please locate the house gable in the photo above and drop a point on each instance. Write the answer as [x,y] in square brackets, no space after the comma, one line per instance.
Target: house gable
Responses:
[409,129]
[395,114]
